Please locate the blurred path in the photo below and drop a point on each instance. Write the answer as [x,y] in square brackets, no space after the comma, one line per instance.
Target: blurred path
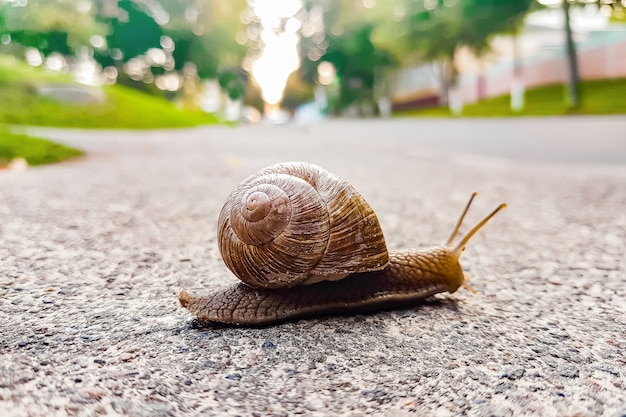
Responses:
[93,253]
[594,140]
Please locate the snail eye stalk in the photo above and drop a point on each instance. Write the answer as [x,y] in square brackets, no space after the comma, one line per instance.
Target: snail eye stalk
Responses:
[461,246]
[460,221]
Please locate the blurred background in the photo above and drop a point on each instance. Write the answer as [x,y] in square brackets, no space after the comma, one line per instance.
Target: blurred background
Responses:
[274,61]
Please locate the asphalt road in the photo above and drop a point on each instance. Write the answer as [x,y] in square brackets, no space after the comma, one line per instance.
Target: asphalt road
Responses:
[93,253]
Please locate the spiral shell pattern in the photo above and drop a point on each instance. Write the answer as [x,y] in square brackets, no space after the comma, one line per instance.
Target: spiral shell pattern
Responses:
[292,221]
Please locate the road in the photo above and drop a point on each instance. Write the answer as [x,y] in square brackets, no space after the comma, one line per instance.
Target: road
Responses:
[94,252]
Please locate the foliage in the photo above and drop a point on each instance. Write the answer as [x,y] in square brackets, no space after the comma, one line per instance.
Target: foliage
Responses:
[297,92]
[199,50]
[131,31]
[232,81]
[48,26]
[13,71]
[600,97]
[35,150]
[254,99]
[619,16]
[202,31]
[207,43]
[438,33]
[122,107]
[360,40]
[356,59]
[215,25]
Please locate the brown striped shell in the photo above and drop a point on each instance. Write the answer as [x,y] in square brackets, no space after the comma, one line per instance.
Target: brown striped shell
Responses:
[295,223]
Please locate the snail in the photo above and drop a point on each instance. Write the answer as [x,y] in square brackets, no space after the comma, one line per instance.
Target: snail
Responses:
[304,243]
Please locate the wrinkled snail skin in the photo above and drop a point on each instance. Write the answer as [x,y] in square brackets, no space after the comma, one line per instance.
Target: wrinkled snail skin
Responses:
[411,276]
[305,243]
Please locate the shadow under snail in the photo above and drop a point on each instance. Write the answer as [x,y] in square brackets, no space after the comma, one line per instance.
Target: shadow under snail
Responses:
[305,243]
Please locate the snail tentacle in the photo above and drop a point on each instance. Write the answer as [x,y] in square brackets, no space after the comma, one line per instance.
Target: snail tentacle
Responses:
[459,222]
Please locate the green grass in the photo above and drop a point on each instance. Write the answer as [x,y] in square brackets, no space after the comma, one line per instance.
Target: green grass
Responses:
[619,17]
[597,97]
[123,107]
[35,150]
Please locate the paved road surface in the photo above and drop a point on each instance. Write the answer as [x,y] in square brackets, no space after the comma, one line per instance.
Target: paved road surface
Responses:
[94,252]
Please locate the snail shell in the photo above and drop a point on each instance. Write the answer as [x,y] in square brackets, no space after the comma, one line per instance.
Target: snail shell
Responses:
[296,223]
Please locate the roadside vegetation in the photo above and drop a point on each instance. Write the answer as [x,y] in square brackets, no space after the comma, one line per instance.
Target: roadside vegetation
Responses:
[599,97]
[35,151]
[122,107]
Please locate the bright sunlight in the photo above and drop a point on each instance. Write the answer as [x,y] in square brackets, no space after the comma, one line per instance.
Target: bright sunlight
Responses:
[279,57]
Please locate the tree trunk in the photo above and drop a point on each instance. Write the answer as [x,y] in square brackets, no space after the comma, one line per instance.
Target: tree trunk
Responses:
[453,91]
[517,81]
[443,78]
[574,98]
[449,77]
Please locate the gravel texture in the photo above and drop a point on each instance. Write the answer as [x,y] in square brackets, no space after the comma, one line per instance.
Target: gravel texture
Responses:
[93,253]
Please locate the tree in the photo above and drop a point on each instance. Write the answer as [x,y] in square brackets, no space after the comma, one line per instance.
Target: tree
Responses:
[437,33]
[341,32]
[407,31]
[48,27]
[356,60]
[143,40]
[205,33]
[132,31]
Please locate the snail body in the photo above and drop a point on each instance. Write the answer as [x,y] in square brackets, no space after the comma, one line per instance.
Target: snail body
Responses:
[305,243]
